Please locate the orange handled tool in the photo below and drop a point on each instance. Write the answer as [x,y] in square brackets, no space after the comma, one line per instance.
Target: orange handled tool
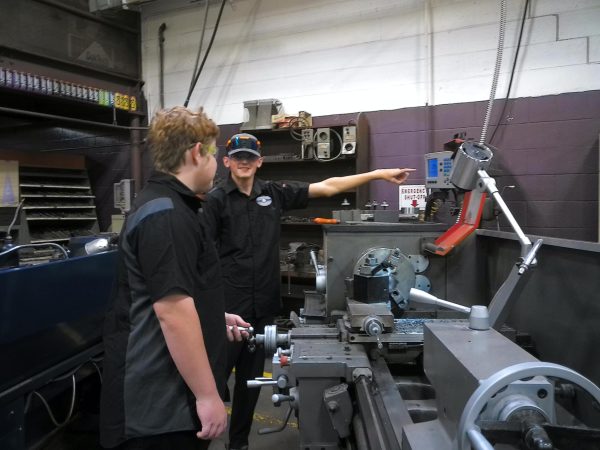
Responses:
[323,221]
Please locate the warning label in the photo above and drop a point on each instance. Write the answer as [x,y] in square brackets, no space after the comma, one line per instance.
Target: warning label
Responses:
[412,195]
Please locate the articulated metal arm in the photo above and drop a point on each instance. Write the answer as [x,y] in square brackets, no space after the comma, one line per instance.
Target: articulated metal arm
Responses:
[501,304]
[505,297]
[487,183]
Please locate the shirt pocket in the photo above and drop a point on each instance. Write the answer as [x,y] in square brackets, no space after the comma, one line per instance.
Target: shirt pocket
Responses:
[267,224]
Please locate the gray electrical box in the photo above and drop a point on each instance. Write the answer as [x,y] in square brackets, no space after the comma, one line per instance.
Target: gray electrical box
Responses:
[323,139]
[349,140]
[308,141]
[124,193]
[438,166]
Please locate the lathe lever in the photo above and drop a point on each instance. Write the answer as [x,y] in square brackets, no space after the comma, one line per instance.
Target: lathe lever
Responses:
[281,382]
[529,259]
[277,399]
[260,382]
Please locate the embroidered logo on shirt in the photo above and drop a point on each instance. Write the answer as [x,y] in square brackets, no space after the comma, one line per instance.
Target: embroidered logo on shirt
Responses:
[264,200]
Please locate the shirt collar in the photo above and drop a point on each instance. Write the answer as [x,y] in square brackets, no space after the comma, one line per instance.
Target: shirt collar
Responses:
[229,186]
[173,183]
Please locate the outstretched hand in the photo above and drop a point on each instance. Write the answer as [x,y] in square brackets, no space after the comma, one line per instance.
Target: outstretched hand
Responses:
[396,176]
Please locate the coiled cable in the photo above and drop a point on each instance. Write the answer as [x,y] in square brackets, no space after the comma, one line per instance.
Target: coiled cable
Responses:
[499,53]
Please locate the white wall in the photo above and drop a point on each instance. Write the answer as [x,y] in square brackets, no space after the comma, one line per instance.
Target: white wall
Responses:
[339,56]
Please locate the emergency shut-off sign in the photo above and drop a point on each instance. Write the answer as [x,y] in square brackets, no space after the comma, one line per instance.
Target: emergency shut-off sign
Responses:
[412,195]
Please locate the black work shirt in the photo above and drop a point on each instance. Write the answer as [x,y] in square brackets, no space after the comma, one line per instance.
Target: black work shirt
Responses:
[163,250]
[247,230]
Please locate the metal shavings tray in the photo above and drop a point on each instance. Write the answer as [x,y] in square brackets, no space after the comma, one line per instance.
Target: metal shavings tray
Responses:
[415,326]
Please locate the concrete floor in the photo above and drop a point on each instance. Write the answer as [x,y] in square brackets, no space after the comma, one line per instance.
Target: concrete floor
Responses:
[82,433]
[266,416]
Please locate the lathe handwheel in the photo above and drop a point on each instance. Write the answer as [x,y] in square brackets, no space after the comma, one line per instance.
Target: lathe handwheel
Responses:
[504,377]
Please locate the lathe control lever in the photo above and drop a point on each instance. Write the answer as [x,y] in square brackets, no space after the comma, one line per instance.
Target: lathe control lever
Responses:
[374,327]
[278,399]
[419,296]
[281,382]
[529,259]
[249,330]
[260,382]
[479,317]
[251,338]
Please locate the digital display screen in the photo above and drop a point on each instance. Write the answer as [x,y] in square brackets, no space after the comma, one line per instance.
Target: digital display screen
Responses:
[432,168]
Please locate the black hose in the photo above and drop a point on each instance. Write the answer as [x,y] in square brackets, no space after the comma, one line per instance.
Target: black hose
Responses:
[212,38]
[161,53]
[200,44]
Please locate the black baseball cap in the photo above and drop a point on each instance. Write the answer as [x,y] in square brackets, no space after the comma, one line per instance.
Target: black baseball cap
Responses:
[243,142]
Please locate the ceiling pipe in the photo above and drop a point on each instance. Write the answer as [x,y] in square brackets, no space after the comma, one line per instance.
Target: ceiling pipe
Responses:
[161,53]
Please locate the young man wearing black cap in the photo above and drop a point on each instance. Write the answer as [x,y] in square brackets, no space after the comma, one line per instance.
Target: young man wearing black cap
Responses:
[243,214]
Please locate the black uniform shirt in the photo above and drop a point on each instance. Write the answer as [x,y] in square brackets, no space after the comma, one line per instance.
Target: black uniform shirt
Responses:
[163,250]
[247,230]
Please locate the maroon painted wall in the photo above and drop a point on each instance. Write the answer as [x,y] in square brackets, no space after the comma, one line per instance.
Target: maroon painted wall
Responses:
[547,147]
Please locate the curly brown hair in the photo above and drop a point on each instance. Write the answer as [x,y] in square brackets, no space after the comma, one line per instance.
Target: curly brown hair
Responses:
[173,131]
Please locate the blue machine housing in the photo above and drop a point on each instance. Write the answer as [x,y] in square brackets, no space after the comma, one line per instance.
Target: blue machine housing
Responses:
[51,313]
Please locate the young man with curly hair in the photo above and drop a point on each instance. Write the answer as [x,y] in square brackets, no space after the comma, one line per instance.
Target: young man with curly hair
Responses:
[166,331]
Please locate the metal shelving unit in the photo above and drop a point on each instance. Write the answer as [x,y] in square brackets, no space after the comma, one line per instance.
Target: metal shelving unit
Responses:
[58,203]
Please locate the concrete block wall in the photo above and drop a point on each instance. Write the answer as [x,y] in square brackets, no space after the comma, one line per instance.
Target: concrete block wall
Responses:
[333,57]
[423,71]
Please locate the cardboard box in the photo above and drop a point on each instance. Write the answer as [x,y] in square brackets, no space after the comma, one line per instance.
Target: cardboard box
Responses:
[302,120]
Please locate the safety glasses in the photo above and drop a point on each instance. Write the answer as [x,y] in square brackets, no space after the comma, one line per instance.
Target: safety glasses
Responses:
[241,141]
[211,149]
